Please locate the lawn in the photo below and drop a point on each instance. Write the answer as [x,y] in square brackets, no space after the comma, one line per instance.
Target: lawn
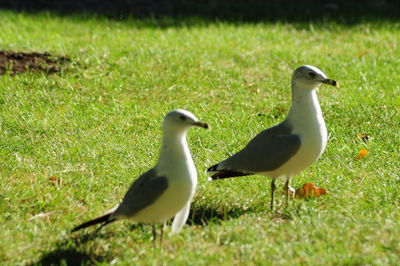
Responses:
[72,142]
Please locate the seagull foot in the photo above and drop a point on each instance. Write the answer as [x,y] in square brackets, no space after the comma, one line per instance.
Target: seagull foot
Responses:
[291,191]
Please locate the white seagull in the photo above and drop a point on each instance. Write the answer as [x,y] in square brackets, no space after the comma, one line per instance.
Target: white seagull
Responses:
[289,147]
[166,190]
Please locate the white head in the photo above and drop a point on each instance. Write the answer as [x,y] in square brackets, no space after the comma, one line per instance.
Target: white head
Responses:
[310,77]
[182,120]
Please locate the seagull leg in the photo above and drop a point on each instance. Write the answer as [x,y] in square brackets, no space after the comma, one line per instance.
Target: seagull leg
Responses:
[154,235]
[286,188]
[273,186]
[161,235]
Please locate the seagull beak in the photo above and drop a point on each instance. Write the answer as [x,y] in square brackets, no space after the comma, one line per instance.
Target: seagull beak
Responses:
[331,82]
[200,124]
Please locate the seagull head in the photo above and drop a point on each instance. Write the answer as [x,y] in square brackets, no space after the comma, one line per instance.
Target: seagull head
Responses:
[180,119]
[310,77]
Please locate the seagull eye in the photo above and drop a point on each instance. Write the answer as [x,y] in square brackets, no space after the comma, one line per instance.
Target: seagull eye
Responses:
[311,75]
[182,117]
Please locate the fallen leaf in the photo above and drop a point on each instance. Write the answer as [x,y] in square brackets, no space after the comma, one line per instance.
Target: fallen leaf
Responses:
[55,180]
[310,190]
[362,154]
[362,53]
[292,191]
[363,137]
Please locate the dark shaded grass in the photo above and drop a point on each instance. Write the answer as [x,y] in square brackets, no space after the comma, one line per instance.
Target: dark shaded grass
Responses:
[68,251]
[167,13]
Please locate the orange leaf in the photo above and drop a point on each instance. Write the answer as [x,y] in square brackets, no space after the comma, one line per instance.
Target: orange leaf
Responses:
[55,180]
[362,154]
[362,53]
[310,190]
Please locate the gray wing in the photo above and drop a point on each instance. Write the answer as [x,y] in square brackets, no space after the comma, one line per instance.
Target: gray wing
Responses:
[143,192]
[267,151]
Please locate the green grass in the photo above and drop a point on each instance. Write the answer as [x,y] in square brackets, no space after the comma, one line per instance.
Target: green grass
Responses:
[97,126]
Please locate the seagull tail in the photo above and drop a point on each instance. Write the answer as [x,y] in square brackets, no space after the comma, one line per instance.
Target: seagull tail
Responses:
[105,219]
[223,173]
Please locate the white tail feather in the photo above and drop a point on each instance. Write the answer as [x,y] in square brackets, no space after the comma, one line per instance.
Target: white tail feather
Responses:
[180,218]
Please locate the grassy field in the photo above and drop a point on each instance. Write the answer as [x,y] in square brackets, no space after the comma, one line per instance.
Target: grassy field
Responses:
[96,126]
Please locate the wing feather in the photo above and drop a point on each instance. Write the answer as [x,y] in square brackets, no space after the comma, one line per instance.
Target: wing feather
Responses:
[267,151]
[143,192]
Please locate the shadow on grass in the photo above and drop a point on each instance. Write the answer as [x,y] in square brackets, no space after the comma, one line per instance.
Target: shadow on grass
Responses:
[203,215]
[66,257]
[67,252]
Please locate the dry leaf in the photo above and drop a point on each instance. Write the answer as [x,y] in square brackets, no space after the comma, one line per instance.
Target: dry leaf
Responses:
[55,180]
[362,53]
[362,154]
[310,190]
[364,137]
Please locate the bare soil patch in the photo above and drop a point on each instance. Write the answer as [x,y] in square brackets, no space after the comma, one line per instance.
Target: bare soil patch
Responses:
[19,62]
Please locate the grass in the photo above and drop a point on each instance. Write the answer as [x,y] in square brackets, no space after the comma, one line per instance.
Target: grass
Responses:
[96,126]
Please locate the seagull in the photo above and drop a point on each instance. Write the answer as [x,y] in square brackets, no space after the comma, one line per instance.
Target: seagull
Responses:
[289,147]
[166,190]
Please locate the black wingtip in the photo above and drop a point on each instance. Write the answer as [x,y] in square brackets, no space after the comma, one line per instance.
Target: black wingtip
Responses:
[227,174]
[102,219]
[212,168]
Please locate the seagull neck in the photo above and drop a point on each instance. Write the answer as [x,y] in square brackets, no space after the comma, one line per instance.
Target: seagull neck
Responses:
[304,104]
[174,146]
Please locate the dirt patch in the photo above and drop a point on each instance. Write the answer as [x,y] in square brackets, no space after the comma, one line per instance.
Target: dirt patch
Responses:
[18,62]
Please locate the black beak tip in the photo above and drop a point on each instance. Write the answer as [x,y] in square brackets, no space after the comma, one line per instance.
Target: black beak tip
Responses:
[203,125]
[331,82]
